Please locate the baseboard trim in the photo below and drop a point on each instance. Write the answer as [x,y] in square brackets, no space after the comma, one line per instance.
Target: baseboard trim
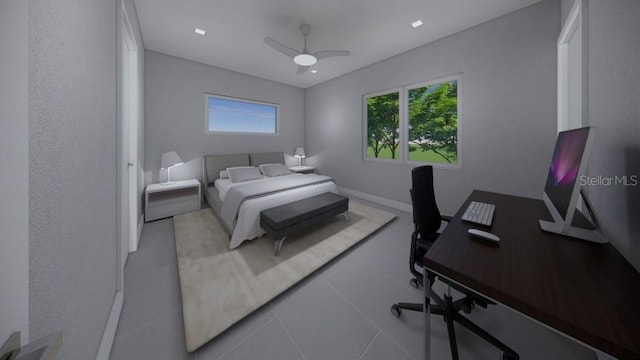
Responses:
[140,226]
[109,333]
[377,199]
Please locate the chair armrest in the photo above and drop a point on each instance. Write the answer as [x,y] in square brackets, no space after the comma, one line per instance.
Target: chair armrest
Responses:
[423,244]
[446,218]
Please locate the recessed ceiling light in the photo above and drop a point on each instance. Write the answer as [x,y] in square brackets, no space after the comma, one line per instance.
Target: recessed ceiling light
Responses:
[314,71]
[416,23]
[200,31]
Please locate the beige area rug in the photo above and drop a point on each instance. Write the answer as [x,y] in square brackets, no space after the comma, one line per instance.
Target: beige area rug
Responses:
[220,286]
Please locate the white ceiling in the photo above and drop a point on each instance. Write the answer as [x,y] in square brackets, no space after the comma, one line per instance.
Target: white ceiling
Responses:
[371,29]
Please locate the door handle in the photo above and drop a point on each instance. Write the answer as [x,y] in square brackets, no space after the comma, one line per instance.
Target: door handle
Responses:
[130,164]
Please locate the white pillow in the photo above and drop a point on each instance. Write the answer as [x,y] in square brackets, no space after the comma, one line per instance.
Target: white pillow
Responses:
[262,170]
[240,174]
[272,170]
[238,167]
[224,174]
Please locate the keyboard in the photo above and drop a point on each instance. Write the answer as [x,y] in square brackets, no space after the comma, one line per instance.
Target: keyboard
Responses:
[479,213]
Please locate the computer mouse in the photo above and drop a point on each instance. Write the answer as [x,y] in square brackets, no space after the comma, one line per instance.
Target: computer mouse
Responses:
[484,235]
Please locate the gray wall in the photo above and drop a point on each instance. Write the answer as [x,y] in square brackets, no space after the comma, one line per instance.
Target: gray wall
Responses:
[508,116]
[614,75]
[175,113]
[72,171]
[14,180]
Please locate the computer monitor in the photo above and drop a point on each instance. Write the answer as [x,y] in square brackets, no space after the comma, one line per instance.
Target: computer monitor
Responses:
[563,188]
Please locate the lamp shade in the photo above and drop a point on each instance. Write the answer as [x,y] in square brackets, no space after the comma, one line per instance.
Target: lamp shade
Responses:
[170,159]
[299,153]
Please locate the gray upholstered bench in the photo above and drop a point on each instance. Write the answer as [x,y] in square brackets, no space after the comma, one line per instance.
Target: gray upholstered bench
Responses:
[283,220]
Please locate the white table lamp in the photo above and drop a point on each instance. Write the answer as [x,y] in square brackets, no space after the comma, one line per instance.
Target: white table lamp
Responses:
[169,160]
[300,155]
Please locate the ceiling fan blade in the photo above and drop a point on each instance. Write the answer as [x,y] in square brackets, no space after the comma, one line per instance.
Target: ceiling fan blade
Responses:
[281,48]
[330,53]
[302,70]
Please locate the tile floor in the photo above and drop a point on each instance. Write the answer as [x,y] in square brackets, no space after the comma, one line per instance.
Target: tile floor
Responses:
[340,312]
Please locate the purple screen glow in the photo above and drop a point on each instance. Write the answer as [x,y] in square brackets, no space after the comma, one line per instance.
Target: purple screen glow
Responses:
[564,168]
[566,158]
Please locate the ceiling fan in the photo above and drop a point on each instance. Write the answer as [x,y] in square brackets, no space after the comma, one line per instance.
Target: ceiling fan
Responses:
[303,58]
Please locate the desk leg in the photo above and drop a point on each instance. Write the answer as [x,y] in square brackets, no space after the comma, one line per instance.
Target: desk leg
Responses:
[427,315]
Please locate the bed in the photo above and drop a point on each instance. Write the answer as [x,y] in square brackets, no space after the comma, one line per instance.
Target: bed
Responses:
[240,213]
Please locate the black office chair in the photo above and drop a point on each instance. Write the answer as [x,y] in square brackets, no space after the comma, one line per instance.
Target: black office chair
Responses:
[427,221]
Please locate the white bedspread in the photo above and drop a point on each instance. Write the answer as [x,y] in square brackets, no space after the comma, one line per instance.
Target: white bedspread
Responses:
[248,222]
[223,185]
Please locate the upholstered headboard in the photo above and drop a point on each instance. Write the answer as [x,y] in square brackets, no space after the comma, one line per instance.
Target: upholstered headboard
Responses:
[213,164]
[257,159]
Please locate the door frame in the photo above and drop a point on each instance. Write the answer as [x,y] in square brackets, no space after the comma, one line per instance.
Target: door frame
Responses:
[575,28]
[127,105]
[130,115]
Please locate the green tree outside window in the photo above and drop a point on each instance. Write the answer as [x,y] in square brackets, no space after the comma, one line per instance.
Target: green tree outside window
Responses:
[429,119]
[383,129]
[433,123]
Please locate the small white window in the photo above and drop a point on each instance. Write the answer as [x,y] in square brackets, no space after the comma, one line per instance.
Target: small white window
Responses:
[232,115]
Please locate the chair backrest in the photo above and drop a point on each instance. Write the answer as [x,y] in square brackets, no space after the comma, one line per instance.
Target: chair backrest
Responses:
[426,215]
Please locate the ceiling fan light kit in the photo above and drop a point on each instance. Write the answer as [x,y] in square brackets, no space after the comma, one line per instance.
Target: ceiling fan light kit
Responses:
[303,58]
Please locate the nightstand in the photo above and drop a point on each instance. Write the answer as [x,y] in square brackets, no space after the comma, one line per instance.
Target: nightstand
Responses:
[303,169]
[163,201]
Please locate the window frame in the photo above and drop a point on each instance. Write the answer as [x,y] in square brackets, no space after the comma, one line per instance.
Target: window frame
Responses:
[403,96]
[207,96]
[407,88]
[365,132]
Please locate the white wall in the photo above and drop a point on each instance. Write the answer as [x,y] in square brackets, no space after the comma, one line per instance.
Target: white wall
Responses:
[614,91]
[72,171]
[175,114]
[14,180]
[508,116]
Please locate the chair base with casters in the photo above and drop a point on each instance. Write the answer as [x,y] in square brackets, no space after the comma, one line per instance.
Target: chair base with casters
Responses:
[450,310]
[427,221]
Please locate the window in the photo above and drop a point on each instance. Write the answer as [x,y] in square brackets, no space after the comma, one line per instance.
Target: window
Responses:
[433,122]
[383,125]
[422,117]
[232,115]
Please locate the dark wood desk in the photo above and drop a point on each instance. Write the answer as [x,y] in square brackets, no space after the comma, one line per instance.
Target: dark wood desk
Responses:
[585,290]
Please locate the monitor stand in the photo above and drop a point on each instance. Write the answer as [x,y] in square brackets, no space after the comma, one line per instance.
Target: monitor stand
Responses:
[566,226]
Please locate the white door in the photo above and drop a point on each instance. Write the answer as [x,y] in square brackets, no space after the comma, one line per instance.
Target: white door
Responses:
[132,116]
[572,80]
[127,173]
[129,147]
